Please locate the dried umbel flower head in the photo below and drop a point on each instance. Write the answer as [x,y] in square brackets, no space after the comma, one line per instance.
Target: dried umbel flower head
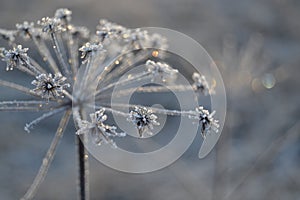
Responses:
[64,15]
[48,86]
[8,35]
[88,49]
[144,119]
[99,131]
[107,55]
[25,29]
[51,25]
[161,70]
[207,122]
[15,57]
[200,84]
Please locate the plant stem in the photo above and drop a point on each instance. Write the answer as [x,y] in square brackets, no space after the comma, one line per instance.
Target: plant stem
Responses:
[83,175]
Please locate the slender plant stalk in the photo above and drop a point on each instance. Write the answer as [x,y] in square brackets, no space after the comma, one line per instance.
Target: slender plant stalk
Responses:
[48,158]
[83,177]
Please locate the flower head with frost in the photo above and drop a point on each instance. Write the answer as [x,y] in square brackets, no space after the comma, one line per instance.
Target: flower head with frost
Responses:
[51,25]
[15,57]
[25,29]
[8,35]
[109,30]
[48,86]
[207,122]
[88,49]
[64,15]
[161,70]
[109,54]
[144,119]
[200,84]
[99,131]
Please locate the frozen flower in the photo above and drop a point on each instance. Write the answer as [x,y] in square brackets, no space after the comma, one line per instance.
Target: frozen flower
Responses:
[162,70]
[144,119]
[15,57]
[51,25]
[8,35]
[99,131]
[88,49]
[25,29]
[79,31]
[200,84]
[48,86]
[207,122]
[63,14]
[109,30]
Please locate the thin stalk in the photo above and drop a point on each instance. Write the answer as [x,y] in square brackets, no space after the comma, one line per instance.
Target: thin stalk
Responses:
[133,78]
[148,89]
[83,162]
[45,53]
[48,158]
[60,55]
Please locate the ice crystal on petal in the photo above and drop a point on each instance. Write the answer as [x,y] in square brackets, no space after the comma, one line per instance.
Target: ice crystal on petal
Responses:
[200,84]
[99,131]
[208,123]
[16,56]
[48,86]
[144,119]
[162,70]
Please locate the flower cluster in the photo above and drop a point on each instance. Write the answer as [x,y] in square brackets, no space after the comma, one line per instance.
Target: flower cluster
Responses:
[48,86]
[144,119]
[99,131]
[162,70]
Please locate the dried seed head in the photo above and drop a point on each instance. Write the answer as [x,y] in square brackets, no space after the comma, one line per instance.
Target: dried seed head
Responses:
[109,30]
[207,121]
[162,70]
[64,15]
[48,86]
[100,131]
[79,31]
[201,85]
[15,57]
[89,49]
[25,29]
[143,119]
[51,25]
[8,35]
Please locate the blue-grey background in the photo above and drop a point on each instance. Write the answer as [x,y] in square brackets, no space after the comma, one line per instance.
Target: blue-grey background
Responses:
[255,43]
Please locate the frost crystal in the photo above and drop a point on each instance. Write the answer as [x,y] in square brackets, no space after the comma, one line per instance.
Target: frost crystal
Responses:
[144,119]
[48,86]
[207,121]
[201,85]
[99,131]
[15,57]
[162,70]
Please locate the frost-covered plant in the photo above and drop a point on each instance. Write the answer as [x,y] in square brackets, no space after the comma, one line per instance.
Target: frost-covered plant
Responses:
[105,56]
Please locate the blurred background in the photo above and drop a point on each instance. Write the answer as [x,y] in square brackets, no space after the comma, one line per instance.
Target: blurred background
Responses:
[256,45]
